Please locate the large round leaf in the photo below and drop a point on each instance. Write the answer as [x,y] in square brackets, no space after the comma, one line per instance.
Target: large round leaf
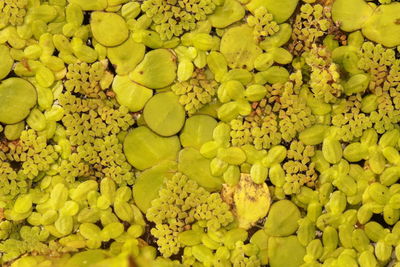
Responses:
[239,47]
[281,10]
[157,69]
[197,168]
[197,131]
[17,97]
[126,56]
[109,29]
[130,94]
[150,181]
[285,251]
[144,149]
[343,12]
[164,114]
[230,12]
[280,223]
[384,25]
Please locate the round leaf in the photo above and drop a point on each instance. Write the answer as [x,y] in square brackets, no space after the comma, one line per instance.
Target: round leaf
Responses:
[17,97]
[343,12]
[281,223]
[109,29]
[150,181]
[157,69]
[239,47]
[197,131]
[126,56]
[384,25]
[285,251]
[130,94]
[144,149]
[281,10]
[164,114]
[196,167]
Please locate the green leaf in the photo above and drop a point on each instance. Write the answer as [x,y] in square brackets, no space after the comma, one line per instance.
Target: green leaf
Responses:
[144,149]
[198,130]
[384,25]
[109,29]
[196,167]
[343,11]
[17,97]
[164,114]
[282,219]
[150,181]
[285,251]
[157,69]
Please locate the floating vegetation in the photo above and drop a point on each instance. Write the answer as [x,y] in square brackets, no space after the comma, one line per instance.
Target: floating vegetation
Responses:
[168,133]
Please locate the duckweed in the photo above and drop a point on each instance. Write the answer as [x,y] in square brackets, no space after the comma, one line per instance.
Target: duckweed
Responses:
[199,133]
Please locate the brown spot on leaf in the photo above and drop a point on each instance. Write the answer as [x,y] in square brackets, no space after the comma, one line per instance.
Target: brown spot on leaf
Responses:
[252,198]
[132,262]
[25,63]
[110,93]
